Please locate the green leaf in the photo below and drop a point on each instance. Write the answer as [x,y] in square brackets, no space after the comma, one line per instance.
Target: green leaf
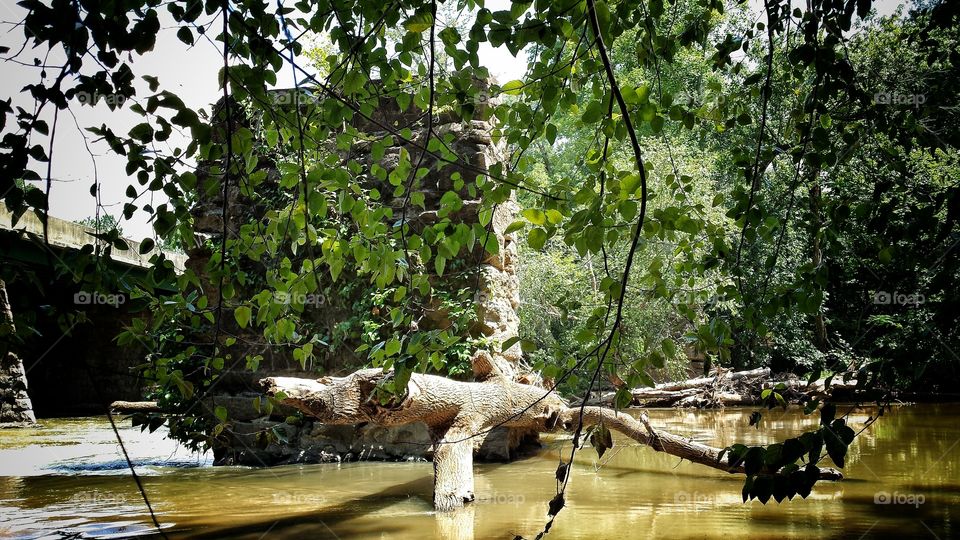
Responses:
[836,448]
[242,315]
[142,132]
[593,113]
[550,132]
[669,348]
[601,439]
[513,88]
[392,347]
[535,216]
[623,398]
[656,124]
[185,35]
[419,22]
[146,246]
[827,413]
[509,343]
[514,227]
[272,136]
[536,238]
[221,413]
[629,184]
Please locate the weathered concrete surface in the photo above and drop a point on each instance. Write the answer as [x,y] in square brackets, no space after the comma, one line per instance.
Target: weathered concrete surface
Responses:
[63,234]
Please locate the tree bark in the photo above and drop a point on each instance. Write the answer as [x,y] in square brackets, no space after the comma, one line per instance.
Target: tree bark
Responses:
[130,407]
[460,414]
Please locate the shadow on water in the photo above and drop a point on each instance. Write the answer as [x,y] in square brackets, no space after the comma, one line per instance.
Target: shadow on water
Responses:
[329,522]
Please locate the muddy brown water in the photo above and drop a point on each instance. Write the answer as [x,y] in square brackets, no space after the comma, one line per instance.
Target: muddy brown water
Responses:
[66,478]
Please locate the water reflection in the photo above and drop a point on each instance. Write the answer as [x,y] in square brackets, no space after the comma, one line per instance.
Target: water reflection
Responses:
[902,480]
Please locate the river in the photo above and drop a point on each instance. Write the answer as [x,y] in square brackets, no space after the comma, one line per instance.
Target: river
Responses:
[66,478]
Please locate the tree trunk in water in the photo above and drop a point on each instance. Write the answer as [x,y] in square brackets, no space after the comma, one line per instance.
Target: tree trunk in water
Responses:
[460,414]
[453,470]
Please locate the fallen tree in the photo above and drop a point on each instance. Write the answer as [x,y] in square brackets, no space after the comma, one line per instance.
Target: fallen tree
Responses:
[728,388]
[459,414]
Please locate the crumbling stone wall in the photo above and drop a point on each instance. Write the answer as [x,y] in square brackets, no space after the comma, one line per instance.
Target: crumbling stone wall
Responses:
[15,405]
[496,300]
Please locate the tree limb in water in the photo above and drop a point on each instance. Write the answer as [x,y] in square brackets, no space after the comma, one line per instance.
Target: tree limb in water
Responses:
[460,414]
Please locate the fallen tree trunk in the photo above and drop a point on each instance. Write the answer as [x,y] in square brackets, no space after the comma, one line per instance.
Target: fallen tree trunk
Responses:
[707,381]
[460,414]
[726,389]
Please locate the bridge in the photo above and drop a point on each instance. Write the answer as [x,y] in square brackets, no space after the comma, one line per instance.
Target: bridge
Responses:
[66,362]
[24,241]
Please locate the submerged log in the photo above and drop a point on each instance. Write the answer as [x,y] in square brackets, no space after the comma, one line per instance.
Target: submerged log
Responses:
[459,414]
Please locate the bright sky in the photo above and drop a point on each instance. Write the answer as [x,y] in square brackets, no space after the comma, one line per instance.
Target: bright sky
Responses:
[191,72]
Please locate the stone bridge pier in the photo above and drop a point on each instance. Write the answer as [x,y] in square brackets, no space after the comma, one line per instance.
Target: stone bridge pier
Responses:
[495,279]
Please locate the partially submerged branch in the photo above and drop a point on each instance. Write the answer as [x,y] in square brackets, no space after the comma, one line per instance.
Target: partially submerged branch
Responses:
[460,414]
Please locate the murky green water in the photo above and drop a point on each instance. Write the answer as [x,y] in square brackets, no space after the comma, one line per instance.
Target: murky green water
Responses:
[67,478]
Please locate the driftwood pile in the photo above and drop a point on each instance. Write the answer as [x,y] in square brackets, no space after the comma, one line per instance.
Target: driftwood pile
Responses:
[729,388]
